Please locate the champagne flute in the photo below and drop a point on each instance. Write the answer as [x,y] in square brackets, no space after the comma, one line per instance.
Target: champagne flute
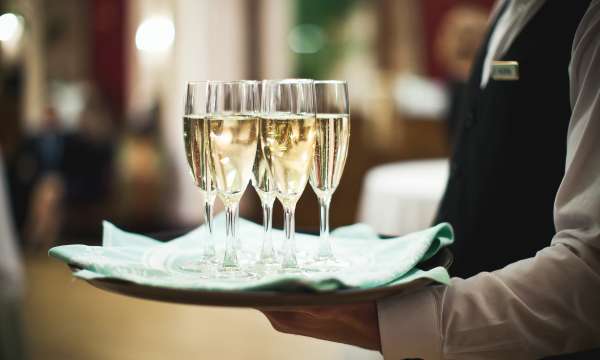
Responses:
[195,139]
[233,135]
[261,180]
[287,134]
[331,150]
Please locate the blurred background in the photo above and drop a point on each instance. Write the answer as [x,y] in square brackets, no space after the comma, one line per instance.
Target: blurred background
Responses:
[91,102]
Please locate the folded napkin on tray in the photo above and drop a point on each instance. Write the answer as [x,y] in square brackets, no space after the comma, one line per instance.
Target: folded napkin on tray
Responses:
[374,262]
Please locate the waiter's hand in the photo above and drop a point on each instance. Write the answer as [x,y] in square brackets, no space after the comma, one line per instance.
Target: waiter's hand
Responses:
[354,324]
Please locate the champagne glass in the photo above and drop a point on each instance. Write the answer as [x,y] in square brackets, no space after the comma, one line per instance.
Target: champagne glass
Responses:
[287,134]
[233,135]
[331,150]
[195,139]
[261,180]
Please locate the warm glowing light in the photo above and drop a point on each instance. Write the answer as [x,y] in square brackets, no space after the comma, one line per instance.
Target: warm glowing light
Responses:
[10,27]
[155,34]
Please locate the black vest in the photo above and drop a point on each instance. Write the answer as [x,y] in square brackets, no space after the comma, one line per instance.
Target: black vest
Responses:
[509,153]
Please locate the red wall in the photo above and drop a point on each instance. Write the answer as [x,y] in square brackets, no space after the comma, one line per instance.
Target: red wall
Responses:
[108,51]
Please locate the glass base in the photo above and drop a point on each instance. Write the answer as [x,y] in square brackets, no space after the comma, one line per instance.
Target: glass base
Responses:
[212,259]
[246,256]
[202,268]
[267,266]
[233,273]
[290,270]
[301,255]
[329,264]
[210,256]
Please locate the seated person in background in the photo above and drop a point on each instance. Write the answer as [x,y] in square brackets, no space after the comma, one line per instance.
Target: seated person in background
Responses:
[37,182]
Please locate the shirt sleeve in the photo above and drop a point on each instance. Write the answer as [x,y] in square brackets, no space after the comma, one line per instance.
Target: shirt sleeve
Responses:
[545,305]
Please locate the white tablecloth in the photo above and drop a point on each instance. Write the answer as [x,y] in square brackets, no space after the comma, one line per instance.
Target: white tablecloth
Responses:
[402,197]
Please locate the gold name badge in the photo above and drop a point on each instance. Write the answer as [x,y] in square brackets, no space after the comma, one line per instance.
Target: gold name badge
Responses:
[505,70]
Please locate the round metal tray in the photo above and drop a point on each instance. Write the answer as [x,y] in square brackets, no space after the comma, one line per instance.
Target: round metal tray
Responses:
[269,299]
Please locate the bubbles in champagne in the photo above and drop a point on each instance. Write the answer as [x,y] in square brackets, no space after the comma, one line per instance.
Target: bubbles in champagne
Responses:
[195,139]
[331,150]
[288,145]
[232,143]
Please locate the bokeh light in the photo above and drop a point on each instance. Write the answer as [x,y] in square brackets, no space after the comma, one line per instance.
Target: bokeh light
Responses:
[155,34]
[306,39]
[10,27]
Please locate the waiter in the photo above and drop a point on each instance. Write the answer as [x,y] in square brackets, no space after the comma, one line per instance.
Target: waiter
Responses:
[524,199]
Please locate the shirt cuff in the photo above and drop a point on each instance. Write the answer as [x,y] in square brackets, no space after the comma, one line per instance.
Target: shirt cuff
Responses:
[409,325]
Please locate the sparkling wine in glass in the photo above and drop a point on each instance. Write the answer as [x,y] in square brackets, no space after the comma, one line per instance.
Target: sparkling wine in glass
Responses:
[195,139]
[233,136]
[287,134]
[331,150]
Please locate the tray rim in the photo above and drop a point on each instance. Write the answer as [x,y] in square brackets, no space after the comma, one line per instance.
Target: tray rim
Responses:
[267,299]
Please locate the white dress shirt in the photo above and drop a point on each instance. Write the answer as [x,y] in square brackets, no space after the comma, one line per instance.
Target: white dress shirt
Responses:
[11,282]
[548,304]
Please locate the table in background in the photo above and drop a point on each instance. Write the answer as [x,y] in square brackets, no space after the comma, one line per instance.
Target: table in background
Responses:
[402,197]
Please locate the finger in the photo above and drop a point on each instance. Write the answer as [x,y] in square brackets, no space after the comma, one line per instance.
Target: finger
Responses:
[284,322]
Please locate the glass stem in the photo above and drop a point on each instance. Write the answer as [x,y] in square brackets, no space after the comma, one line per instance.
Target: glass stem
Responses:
[209,244]
[230,260]
[267,253]
[238,241]
[325,251]
[289,247]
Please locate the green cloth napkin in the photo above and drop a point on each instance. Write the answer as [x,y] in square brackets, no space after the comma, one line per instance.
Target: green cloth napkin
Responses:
[374,262]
